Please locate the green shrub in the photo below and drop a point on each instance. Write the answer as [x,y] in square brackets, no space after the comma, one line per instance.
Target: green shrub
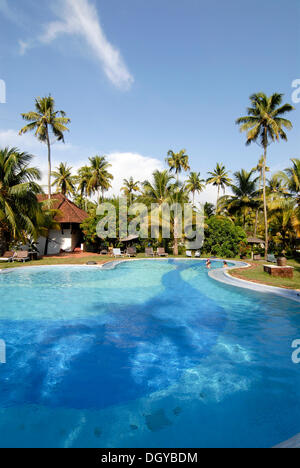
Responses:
[223,238]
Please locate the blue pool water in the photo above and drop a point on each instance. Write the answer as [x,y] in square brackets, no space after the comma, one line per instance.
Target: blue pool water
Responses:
[149,354]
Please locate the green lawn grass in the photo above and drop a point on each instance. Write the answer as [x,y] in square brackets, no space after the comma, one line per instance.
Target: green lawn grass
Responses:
[257,274]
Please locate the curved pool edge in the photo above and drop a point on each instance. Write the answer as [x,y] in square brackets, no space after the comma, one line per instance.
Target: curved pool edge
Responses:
[223,276]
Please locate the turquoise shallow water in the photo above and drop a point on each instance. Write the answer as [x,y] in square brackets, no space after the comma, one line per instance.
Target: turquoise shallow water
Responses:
[149,354]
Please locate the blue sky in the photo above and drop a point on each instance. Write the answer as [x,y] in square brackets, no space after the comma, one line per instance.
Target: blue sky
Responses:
[139,78]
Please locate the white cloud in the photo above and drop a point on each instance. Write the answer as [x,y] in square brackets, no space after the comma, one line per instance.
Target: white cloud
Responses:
[126,165]
[80,18]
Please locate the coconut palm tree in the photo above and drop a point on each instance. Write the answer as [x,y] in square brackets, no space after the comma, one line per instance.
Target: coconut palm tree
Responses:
[83,178]
[18,202]
[276,188]
[244,189]
[265,124]
[194,184]
[158,192]
[178,162]
[100,177]
[283,222]
[130,186]
[291,177]
[219,178]
[43,120]
[64,180]
[259,168]
[209,210]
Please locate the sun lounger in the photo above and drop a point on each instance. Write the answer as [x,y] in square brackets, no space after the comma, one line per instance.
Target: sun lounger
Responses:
[131,252]
[198,254]
[189,253]
[117,253]
[161,252]
[149,252]
[7,257]
[271,258]
[21,256]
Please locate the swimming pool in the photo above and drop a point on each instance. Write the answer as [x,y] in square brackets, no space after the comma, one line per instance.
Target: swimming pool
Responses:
[149,354]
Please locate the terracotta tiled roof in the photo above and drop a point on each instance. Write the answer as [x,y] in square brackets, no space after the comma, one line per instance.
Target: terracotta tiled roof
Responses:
[69,212]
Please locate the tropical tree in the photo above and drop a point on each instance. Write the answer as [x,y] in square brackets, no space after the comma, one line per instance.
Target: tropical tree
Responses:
[83,178]
[64,180]
[291,177]
[276,188]
[283,223]
[100,177]
[156,194]
[178,162]
[178,197]
[244,189]
[219,178]
[130,187]
[259,168]
[43,120]
[159,190]
[18,202]
[194,184]
[209,210]
[265,124]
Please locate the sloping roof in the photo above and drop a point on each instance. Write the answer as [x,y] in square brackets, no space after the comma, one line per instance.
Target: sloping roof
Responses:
[255,240]
[69,212]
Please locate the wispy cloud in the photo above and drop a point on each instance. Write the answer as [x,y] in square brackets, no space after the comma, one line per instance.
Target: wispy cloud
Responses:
[80,18]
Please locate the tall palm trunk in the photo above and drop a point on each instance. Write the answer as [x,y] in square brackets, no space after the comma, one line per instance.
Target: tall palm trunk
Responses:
[217,208]
[49,163]
[265,204]
[257,211]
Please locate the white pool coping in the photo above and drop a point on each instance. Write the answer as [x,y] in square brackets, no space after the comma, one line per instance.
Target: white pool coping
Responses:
[221,274]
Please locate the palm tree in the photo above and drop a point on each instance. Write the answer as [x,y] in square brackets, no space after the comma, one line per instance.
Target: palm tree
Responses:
[43,120]
[219,177]
[283,222]
[158,192]
[83,178]
[130,186]
[100,177]
[178,162]
[244,191]
[18,202]
[195,184]
[178,196]
[64,180]
[259,168]
[264,124]
[291,177]
[276,188]
[209,210]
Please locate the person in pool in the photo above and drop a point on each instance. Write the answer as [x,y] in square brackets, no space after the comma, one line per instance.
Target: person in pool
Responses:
[208,264]
[225,264]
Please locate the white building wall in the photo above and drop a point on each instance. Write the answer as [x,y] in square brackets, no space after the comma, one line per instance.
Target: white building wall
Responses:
[58,240]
